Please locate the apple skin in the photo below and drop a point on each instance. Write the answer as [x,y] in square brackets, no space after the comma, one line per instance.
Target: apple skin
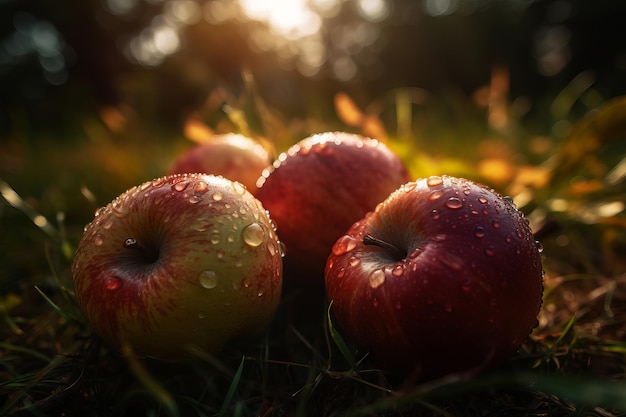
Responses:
[459,290]
[233,156]
[318,188]
[182,261]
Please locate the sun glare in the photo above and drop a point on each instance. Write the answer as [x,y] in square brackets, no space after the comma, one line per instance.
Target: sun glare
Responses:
[292,19]
[296,30]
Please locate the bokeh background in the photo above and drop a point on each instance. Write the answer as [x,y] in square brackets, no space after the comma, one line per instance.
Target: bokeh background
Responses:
[164,58]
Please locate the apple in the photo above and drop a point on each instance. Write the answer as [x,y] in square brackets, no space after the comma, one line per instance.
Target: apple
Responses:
[233,156]
[443,277]
[318,188]
[187,261]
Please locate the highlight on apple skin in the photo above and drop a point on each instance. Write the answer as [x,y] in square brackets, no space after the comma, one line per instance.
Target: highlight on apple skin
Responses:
[181,262]
[443,277]
[231,155]
[318,188]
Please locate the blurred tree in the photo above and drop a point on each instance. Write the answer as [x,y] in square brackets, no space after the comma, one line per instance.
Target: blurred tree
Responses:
[56,55]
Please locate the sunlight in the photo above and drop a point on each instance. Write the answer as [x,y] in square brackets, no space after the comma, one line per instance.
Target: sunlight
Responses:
[293,19]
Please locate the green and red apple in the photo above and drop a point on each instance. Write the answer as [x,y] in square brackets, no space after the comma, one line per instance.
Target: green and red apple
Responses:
[443,277]
[182,262]
[318,188]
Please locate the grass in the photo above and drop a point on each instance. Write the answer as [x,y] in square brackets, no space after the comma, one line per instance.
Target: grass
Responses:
[573,364]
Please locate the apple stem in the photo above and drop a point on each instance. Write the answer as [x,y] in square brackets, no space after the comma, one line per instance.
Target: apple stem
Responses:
[395,251]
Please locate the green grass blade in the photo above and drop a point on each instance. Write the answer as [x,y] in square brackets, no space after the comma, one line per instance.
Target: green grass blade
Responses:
[150,384]
[231,390]
[339,340]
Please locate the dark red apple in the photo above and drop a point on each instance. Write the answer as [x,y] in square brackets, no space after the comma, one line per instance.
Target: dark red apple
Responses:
[180,262]
[444,276]
[233,156]
[319,188]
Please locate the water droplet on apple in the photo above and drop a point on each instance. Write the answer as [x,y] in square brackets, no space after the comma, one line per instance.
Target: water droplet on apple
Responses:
[490,250]
[479,232]
[215,239]
[217,196]
[246,283]
[193,199]
[113,283]
[438,238]
[435,195]
[434,181]
[282,248]
[539,246]
[345,244]
[220,254]
[239,188]
[452,261]
[354,261]
[377,278]
[107,224]
[98,240]
[495,224]
[101,210]
[202,225]
[454,203]
[158,182]
[200,187]
[259,293]
[435,214]
[119,210]
[238,263]
[180,186]
[208,279]
[397,271]
[482,200]
[253,235]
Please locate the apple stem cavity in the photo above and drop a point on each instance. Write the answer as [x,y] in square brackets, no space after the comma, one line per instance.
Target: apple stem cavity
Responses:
[397,253]
[150,255]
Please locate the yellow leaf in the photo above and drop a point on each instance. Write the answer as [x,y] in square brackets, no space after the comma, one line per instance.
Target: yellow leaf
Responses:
[347,110]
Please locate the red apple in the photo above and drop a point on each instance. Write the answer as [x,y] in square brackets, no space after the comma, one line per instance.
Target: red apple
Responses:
[444,276]
[319,188]
[233,156]
[178,262]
